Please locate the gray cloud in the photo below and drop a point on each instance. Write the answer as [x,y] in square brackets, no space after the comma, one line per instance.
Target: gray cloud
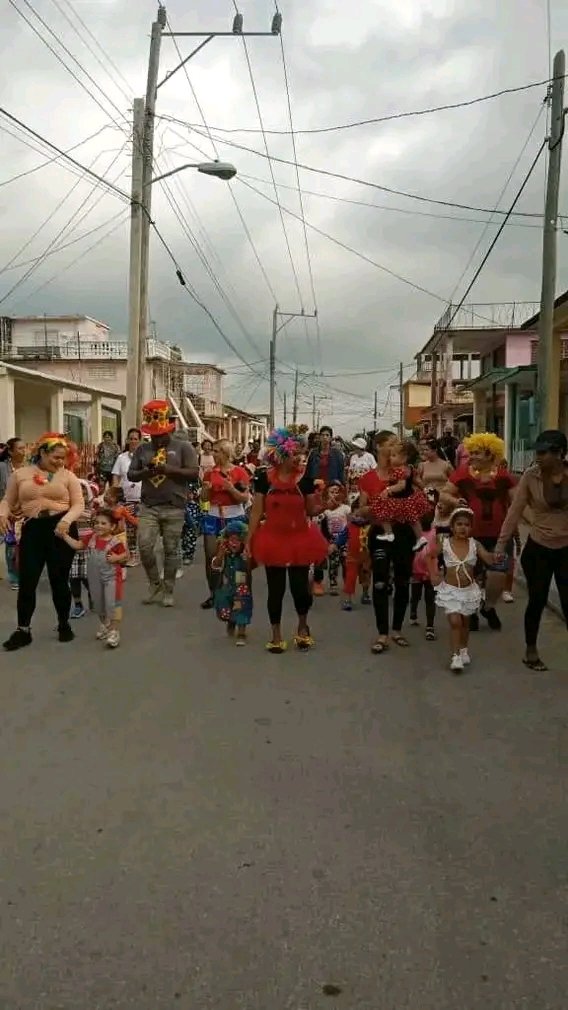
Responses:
[345,63]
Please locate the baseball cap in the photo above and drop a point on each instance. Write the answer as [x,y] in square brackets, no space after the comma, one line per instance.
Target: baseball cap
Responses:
[551,440]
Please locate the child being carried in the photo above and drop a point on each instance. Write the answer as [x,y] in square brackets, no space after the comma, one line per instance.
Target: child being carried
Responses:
[403,501]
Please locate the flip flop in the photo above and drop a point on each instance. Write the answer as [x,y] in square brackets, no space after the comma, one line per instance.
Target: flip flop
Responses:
[379,647]
[536,665]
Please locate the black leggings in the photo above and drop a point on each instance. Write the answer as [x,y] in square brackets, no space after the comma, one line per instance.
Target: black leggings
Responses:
[539,565]
[416,591]
[39,547]
[398,554]
[299,579]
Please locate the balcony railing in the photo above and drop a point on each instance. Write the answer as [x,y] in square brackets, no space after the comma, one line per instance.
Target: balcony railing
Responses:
[487,316]
[76,349]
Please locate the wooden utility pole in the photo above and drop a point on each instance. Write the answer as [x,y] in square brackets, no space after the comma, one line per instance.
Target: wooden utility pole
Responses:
[548,387]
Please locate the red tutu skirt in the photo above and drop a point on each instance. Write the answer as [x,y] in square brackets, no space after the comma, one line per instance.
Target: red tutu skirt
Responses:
[293,548]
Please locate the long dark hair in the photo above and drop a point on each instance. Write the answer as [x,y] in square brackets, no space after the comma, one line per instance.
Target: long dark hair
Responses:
[8,448]
[128,434]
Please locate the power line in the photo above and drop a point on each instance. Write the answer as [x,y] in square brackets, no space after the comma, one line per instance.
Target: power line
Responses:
[398,210]
[122,219]
[64,245]
[231,190]
[267,155]
[127,90]
[395,115]
[497,202]
[63,154]
[495,239]
[64,64]
[360,182]
[301,202]
[49,161]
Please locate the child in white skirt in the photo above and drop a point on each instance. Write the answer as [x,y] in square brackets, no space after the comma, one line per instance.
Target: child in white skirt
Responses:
[458,592]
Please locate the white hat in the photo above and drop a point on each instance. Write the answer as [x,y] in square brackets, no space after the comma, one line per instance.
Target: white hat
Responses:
[359,443]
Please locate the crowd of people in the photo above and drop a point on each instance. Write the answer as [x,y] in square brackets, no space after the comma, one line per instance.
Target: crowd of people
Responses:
[383,521]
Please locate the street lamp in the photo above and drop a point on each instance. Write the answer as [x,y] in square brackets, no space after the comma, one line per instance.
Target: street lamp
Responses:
[218,169]
[139,242]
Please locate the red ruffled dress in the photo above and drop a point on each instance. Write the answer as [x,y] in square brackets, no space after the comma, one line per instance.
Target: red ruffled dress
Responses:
[286,538]
[409,509]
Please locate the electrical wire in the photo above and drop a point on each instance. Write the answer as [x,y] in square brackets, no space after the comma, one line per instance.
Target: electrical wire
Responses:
[231,191]
[496,238]
[301,203]
[398,210]
[64,64]
[498,201]
[467,103]
[64,154]
[270,165]
[49,161]
[31,269]
[125,88]
[122,219]
[61,247]
[360,182]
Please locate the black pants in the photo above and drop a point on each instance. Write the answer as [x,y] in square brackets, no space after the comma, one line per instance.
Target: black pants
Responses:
[399,556]
[418,589]
[39,547]
[539,565]
[299,579]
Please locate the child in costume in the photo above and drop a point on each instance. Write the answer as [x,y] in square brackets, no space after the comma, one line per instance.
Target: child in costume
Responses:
[457,592]
[334,523]
[402,501]
[421,583]
[233,595]
[106,551]
[78,575]
[357,560]
[191,522]
[11,541]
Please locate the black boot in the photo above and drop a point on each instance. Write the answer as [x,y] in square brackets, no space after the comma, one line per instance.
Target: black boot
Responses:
[492,618]
[65,634]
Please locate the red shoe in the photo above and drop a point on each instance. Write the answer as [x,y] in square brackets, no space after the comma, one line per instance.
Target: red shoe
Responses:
[318,589]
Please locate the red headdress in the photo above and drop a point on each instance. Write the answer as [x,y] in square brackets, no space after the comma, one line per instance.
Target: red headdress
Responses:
[156,418]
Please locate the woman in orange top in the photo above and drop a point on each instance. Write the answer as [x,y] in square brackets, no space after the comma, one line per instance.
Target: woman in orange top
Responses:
[49,499]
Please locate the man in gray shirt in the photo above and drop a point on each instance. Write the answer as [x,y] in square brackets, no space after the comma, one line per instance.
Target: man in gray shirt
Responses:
[164,466]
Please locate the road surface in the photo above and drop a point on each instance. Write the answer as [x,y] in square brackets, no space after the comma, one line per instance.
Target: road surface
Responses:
[188,825]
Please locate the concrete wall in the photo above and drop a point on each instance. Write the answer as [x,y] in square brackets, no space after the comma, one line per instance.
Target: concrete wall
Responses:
[109,376]
[32,332]
[32,410]
[518,349]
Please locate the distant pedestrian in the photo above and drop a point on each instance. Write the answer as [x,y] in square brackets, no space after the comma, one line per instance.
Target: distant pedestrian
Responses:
[107,455]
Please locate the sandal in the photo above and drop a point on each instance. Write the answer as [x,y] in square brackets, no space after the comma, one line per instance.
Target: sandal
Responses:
[536,665]
[430,635]
[400,640]
[304,642]
[276,648]
[379,647]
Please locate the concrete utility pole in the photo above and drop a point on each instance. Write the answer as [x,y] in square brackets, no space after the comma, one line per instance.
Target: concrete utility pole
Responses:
[375,411]
[295,410]
[401,391]
[272,353]
[285,410]
[147,172]
[314,412]
[548,391]
[132,411]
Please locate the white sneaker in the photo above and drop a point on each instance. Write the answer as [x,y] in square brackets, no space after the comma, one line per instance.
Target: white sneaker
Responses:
[465,657]
[102,633]
[507,597]
[457,663]
[180,573]
[113,639]
[422,542]
[389,537]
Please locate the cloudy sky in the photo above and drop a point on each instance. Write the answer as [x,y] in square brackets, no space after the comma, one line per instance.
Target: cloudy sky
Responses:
[345,63]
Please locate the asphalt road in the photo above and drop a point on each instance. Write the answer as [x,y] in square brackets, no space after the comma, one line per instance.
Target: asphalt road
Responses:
[188,825]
